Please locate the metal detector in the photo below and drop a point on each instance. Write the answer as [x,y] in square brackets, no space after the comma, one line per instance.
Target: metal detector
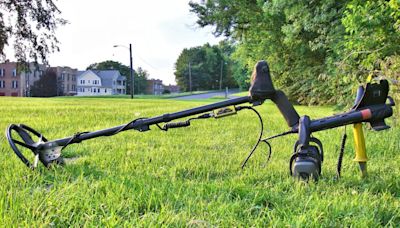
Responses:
[306,161]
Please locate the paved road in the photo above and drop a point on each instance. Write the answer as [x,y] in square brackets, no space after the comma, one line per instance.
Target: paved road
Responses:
[208,95]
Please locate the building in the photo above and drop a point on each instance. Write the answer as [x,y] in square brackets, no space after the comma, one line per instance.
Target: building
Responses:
[17,82]
[154,87]
[66,80]
[172,88]
[10,81]
[100,82]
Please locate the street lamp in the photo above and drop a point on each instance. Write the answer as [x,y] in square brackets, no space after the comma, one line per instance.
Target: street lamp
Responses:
[130,58]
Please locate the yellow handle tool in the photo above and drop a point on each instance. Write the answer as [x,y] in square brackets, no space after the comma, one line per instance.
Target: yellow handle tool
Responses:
[359,145]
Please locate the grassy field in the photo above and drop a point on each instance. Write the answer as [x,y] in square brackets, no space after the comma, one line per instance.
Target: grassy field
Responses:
[189,176]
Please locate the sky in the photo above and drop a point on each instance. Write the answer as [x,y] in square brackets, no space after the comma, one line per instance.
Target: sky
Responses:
[157,29]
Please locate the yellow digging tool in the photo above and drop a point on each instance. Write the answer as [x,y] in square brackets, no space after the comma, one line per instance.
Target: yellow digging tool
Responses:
[359,146]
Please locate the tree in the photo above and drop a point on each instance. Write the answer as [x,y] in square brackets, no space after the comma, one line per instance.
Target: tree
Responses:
[46,86]
[205,64]
[29,26]
[141,77]
[317,50]
[293,36]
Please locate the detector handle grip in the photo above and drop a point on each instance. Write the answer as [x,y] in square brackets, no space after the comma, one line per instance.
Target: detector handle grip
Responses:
[176,124]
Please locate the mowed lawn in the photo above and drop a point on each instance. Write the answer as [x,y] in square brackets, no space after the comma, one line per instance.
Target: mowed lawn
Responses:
[188,176]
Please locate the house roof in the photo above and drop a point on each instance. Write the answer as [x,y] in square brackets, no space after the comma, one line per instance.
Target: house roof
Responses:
[106,76]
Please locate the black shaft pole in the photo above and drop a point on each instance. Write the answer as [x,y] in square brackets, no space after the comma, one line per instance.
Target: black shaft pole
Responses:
[147,122]
[368,114]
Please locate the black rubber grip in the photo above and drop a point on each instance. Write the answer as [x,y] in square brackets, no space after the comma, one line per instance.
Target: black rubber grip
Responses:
[177,124]
[286,108]
[380,112]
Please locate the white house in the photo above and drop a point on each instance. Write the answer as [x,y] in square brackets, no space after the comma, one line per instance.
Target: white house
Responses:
[100,82]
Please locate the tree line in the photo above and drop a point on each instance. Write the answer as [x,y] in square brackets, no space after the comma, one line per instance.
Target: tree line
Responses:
[205,68]
[318,51]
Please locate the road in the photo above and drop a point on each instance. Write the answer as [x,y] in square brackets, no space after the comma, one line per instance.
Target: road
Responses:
[207,95]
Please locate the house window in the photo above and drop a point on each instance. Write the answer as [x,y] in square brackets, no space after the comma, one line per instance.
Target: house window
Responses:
[14,84]
[73,87]
[14,73]
[62,76]
[88,81]
[83,82]
[105,90]
[67,77]
[2,84]
[2,72]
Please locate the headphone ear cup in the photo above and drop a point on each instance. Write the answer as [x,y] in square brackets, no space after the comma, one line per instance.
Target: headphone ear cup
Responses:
[306,163]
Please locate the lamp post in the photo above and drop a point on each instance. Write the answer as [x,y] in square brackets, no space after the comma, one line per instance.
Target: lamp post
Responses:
[131,68]
[220,78]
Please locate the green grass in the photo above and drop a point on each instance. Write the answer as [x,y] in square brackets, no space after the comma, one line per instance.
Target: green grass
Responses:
[190,176]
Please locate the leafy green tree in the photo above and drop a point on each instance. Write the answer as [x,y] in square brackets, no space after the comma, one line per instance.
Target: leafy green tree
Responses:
[141,77]
[110,65]
[293,36]
[372,34]
[29,26]
[234,72]
[371,46]
[205,64]
[46,86]
[317,50]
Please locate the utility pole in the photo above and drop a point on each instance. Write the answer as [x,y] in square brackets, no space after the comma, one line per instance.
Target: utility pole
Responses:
[190,78]
[132,79]
[131,67]
[220,78]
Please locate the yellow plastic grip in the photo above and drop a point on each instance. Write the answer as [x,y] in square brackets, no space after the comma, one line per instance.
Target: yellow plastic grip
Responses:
[359,145]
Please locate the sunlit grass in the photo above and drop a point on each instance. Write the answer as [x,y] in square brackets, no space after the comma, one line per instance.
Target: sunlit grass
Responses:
[190,176]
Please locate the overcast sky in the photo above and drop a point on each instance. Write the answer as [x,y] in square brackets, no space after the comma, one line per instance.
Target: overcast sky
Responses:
[157,29]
